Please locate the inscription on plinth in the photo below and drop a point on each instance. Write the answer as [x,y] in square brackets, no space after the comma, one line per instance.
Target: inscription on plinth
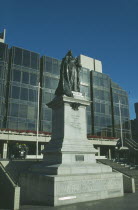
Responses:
[75,120]
[93,185]
[79,157]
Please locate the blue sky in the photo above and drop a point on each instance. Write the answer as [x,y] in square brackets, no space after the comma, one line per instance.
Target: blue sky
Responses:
[106,30]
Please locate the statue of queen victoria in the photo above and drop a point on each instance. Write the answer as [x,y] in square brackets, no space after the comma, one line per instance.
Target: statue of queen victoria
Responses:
[69,76]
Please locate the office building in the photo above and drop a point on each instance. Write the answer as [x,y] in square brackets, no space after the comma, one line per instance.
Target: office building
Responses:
[20,73]
[23,78]
[134,124]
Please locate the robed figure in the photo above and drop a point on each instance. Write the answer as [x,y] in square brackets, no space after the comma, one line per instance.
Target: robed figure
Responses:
[69,76]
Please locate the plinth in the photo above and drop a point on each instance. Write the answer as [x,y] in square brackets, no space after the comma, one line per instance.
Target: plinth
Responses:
[69,172]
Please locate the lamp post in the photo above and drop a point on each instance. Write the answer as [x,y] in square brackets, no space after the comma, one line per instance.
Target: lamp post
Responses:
[37,131]
[120,114]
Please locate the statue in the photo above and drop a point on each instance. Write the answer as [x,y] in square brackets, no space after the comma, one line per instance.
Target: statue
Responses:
[69,76]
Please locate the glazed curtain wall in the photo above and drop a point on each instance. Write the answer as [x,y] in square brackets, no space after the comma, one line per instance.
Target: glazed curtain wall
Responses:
[23,86]
[3,80]
[20,73]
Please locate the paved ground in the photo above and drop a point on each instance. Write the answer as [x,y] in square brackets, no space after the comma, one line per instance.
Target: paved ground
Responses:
[128,202]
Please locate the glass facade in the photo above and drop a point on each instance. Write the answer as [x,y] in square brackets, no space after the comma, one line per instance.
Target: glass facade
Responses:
[3,79]
[50,71]
[22,70]
[24,76]
[120,96]
[85,90]
[101,104]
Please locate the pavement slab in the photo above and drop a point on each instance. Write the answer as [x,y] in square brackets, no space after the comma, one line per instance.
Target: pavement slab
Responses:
[127,202]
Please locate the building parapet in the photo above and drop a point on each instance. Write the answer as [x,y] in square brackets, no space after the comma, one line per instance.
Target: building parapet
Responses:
[16,135]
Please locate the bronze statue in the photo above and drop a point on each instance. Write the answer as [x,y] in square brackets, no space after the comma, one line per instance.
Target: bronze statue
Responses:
[69,76]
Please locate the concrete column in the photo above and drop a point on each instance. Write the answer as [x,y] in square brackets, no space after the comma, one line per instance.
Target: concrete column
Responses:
[5,146]
[98,151]
[42,147]
[110,156]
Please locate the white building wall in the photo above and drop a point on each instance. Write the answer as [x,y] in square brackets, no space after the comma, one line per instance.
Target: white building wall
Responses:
[98,66]
[2,40]
[90,63]
[86,62]
[4,34]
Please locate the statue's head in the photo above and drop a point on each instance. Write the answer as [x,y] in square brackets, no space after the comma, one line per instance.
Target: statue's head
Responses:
[69,53]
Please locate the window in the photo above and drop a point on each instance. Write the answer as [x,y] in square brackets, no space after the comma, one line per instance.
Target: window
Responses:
[55,67]
[47,97]
[97,131]
[3,49]
[22,124]
[24,94]
[47,114]
[33,79]
[125,112]
[115,97]
[103,121]
[103,133]
[125,124]
[1,90]
[89,130]
[101,94]
[102,108]
[85,76]
[107,109]
[31,126]
[96,93]
[97,107]
[34,60]
[0,108]
[101,82]
[1,72]
[46,126]
[31,112]
[108,122]
[18,56]
[117,122]
[96,81]
[32,95]
[26,58]
[15,92]
[106,96]
[47,82]
[123,100]
[16,76]
[96,120]
[54,83]
[85,90]
[106,83]
[23,111]
[81,76]
[88,118]
[14,110]
[109,133]
[49,64]
[25,78]
[12,124]
[116,110]
[88,108]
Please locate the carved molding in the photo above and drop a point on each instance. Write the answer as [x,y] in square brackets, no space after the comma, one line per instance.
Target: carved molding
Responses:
[75,106]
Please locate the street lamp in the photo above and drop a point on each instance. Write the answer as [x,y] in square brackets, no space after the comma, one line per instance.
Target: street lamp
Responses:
[120,114]
[122,148]
[37,129]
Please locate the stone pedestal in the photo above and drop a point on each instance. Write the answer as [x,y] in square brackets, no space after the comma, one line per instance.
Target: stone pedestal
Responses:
[69,172]
[5,147]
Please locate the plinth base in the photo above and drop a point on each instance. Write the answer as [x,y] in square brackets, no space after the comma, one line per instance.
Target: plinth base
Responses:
[57,190]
